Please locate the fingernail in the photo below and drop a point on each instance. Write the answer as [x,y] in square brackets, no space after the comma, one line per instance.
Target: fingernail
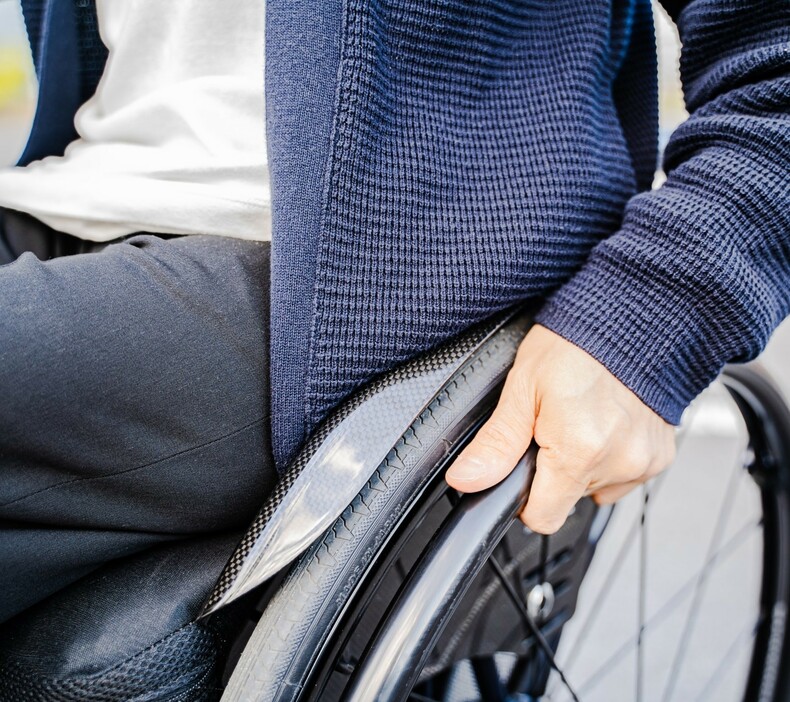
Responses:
[466,470]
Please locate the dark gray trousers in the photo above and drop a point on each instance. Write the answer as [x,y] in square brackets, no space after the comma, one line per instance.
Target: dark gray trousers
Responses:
[134,395]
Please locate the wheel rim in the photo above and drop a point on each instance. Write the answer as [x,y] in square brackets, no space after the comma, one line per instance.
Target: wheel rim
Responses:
[336,664]
[522,674]
[672,616]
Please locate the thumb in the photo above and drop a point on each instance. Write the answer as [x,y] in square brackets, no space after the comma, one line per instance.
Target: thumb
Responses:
[498,445]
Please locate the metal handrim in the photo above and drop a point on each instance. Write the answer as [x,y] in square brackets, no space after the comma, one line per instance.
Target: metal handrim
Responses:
[764,682]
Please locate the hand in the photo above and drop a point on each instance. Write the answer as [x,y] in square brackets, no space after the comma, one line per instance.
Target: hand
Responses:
[596,437]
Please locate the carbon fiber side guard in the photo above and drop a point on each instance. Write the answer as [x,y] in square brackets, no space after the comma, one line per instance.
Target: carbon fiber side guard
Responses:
[346,449]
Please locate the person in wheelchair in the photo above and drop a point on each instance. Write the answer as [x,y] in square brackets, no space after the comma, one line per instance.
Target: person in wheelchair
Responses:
[195,278]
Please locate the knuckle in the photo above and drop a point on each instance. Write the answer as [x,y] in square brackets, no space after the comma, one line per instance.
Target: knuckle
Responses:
[637,458]
[626,473]
[567,463]
[518,394]
[587,448]
[497,438]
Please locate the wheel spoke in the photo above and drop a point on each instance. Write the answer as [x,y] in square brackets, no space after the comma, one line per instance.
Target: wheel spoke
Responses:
[606,588]
[640,654]
[530,623]
[681,434]
[713,681]
[670,605]
[699,586]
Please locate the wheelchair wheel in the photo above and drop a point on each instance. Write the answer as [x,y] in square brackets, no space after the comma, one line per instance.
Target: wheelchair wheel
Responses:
[420,594]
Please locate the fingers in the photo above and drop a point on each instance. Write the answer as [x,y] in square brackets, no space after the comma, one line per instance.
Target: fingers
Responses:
[612,493]
[555,491]
[595,435]
[499,444]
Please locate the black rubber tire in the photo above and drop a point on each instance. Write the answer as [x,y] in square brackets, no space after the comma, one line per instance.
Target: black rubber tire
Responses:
[304,611]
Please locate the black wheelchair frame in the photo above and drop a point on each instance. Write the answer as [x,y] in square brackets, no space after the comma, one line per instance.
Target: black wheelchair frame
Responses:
[364,577]
[431,598]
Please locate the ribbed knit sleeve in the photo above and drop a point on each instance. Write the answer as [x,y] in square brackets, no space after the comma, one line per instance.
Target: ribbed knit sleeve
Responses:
[698,274]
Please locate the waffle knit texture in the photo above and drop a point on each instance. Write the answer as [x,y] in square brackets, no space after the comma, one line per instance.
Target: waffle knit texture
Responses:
[435,162]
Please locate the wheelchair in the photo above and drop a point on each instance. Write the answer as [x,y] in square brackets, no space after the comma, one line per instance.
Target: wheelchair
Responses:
[366,578]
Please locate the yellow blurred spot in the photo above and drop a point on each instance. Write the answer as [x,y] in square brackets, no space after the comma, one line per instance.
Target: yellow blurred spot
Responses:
[14,75]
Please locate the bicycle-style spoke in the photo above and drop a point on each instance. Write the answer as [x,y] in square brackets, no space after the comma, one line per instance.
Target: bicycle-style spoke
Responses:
[670,605]
[532,627]
[638,529]
[747,635]
[722,520]
[640,654]
[462,628]
[681,435]
[606,588]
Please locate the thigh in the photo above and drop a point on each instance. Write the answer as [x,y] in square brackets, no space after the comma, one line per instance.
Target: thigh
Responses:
[134,388]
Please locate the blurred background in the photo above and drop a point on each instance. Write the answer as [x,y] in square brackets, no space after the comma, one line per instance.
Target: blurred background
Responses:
[17,82]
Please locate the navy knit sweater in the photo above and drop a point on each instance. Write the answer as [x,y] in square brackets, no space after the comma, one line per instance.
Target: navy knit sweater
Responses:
[435,161]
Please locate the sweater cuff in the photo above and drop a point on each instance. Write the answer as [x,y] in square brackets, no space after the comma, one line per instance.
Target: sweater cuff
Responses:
[644,328]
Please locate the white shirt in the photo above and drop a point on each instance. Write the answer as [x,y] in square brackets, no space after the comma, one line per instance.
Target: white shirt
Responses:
[174,140]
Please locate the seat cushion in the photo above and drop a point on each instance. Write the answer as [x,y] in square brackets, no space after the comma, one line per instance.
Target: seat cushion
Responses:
[125,632]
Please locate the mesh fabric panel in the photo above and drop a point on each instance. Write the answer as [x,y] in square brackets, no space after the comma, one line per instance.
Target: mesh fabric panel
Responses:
[182,667]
